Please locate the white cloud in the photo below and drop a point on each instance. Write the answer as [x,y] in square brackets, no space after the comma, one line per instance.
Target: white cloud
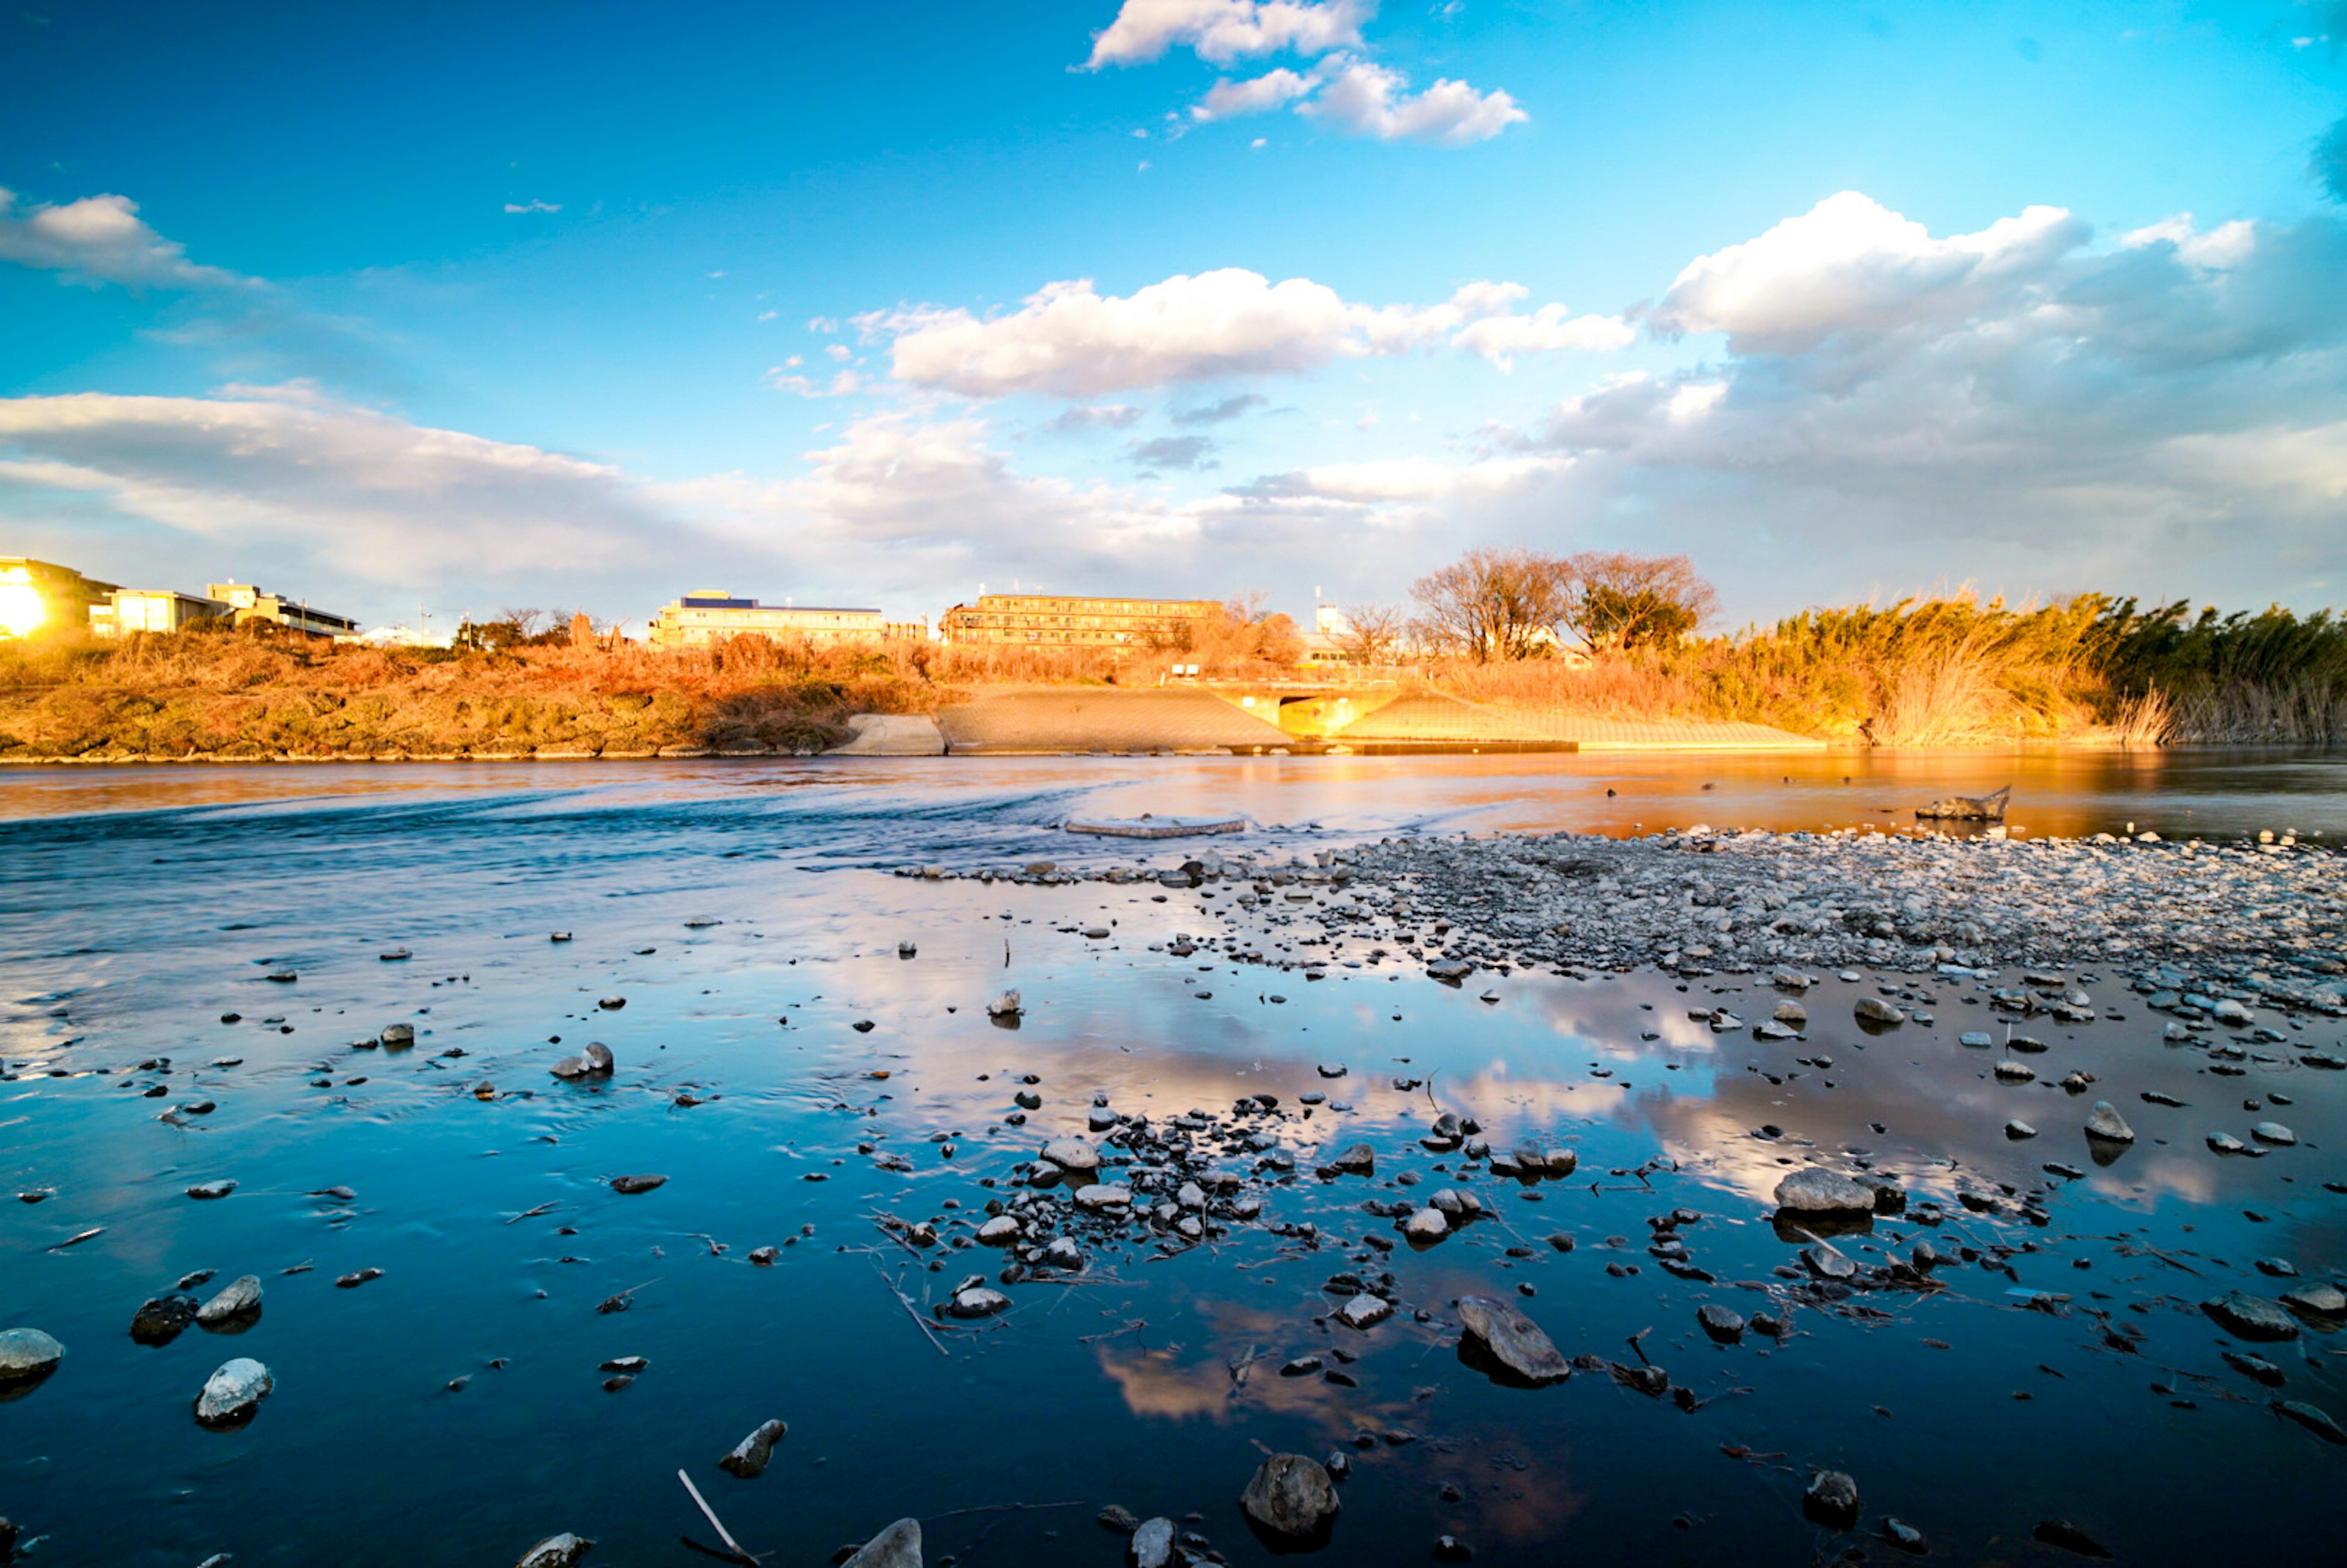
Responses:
[1259,95]
[1221,31]
[1368,99]
[533,206]
[1550,328]
[1068,340]
[1097,416]
[1850,265]
[349,494]
[102,239]
[2166,416]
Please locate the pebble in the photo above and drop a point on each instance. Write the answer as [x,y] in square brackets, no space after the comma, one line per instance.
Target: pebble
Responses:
[234,1392]
[750,1456]
[208,1190]
[1721,1323]
[2104,1122]
[1291,1496]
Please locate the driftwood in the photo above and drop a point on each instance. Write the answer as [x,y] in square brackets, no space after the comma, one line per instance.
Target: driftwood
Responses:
[1967,807]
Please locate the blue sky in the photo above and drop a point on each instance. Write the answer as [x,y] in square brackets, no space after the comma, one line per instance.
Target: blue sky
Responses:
[493,305]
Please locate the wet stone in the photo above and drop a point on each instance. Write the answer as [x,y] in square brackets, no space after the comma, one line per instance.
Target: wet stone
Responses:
[2248,1316]
[2315,1419]
[27,1352]
[1291,1497]
[2104,1122]
[1818,1189]
[240,1298]
[631,1184]
[898,1546]
[163,1319]
[1364,1311]
[205,1191]
[563,1550]
[1832,1499]
[233,1393]
[1153,1543]
[1721,1323]
[1510,1346]
[750,1457]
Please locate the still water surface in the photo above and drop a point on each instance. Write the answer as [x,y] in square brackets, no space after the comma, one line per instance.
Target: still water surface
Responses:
[138,907]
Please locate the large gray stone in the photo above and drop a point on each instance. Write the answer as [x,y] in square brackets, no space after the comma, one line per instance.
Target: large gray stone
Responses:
[1072,1153]
[1512,1342]
[2248,1316]
[1291,1496]
[234,1392]
[27,1352]
[1818,1191]
[1360,1160]
[2105,1122]
[898,1546]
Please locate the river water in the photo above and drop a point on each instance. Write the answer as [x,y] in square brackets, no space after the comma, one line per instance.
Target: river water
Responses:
[454,1408]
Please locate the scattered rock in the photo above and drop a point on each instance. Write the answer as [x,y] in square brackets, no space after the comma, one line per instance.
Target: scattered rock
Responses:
[27,1352]
[748,1461]
[2273,1132]
[1359,1160]
[1153,1543]
[637,1183]
[565,1549]
[1832,1499]
[976,1301]
[2316,1300]
[1818,1189]
[206,1191]
[1078,1154]
[1506,1346]
[1291,1497]
[2068,1537]
[163,1318]
[2315,1419]
[1364,1311]
[1874,1009]
[233,1393]
[898,1546]
[2104,1122]
[2248,1316]
[1721,1323]
[240,1299]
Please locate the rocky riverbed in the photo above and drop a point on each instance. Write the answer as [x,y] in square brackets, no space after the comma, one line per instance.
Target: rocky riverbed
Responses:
[1183,1209]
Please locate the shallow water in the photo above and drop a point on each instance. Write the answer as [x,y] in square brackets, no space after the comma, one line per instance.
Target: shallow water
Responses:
[138,908]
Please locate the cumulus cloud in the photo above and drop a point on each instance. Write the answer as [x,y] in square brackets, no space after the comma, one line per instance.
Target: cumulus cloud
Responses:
[1259,95]
[2165,413]
[101,239]
[1550,328]
[1069,340]
[1367,99]
[1221,31]
[1850,265]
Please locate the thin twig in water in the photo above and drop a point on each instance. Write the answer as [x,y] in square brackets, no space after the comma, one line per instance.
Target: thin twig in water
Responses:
[1113,1333]
[1005,1508]
[533,1213]
[907,1303]
[714,1522]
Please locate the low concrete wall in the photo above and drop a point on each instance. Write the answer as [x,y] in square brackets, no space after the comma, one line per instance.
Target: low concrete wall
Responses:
[1096,719]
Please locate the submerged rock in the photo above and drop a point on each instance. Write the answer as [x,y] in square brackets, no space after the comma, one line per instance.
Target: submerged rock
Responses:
[637,1183]
[1512,1345]
[748,1461]
[1819,1191]
[2315,1419]
[1291,1496]
[203,1191]
[1722,1323]
[2248,1316]
[27,1352]
[240,1298]
[2068,1537]
[563,1550]
[898,1546]
[234,1392]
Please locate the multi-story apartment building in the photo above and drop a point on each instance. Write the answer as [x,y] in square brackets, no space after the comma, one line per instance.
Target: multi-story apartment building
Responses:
[1051,621]
[249,604]
[694,619]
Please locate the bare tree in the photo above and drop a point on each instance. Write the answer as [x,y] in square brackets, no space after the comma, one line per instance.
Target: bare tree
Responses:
[1373,632]
[1627,601]
[526,623]
[1496,604]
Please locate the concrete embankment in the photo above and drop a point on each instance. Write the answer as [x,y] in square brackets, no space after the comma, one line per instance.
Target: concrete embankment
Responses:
[1095,720]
